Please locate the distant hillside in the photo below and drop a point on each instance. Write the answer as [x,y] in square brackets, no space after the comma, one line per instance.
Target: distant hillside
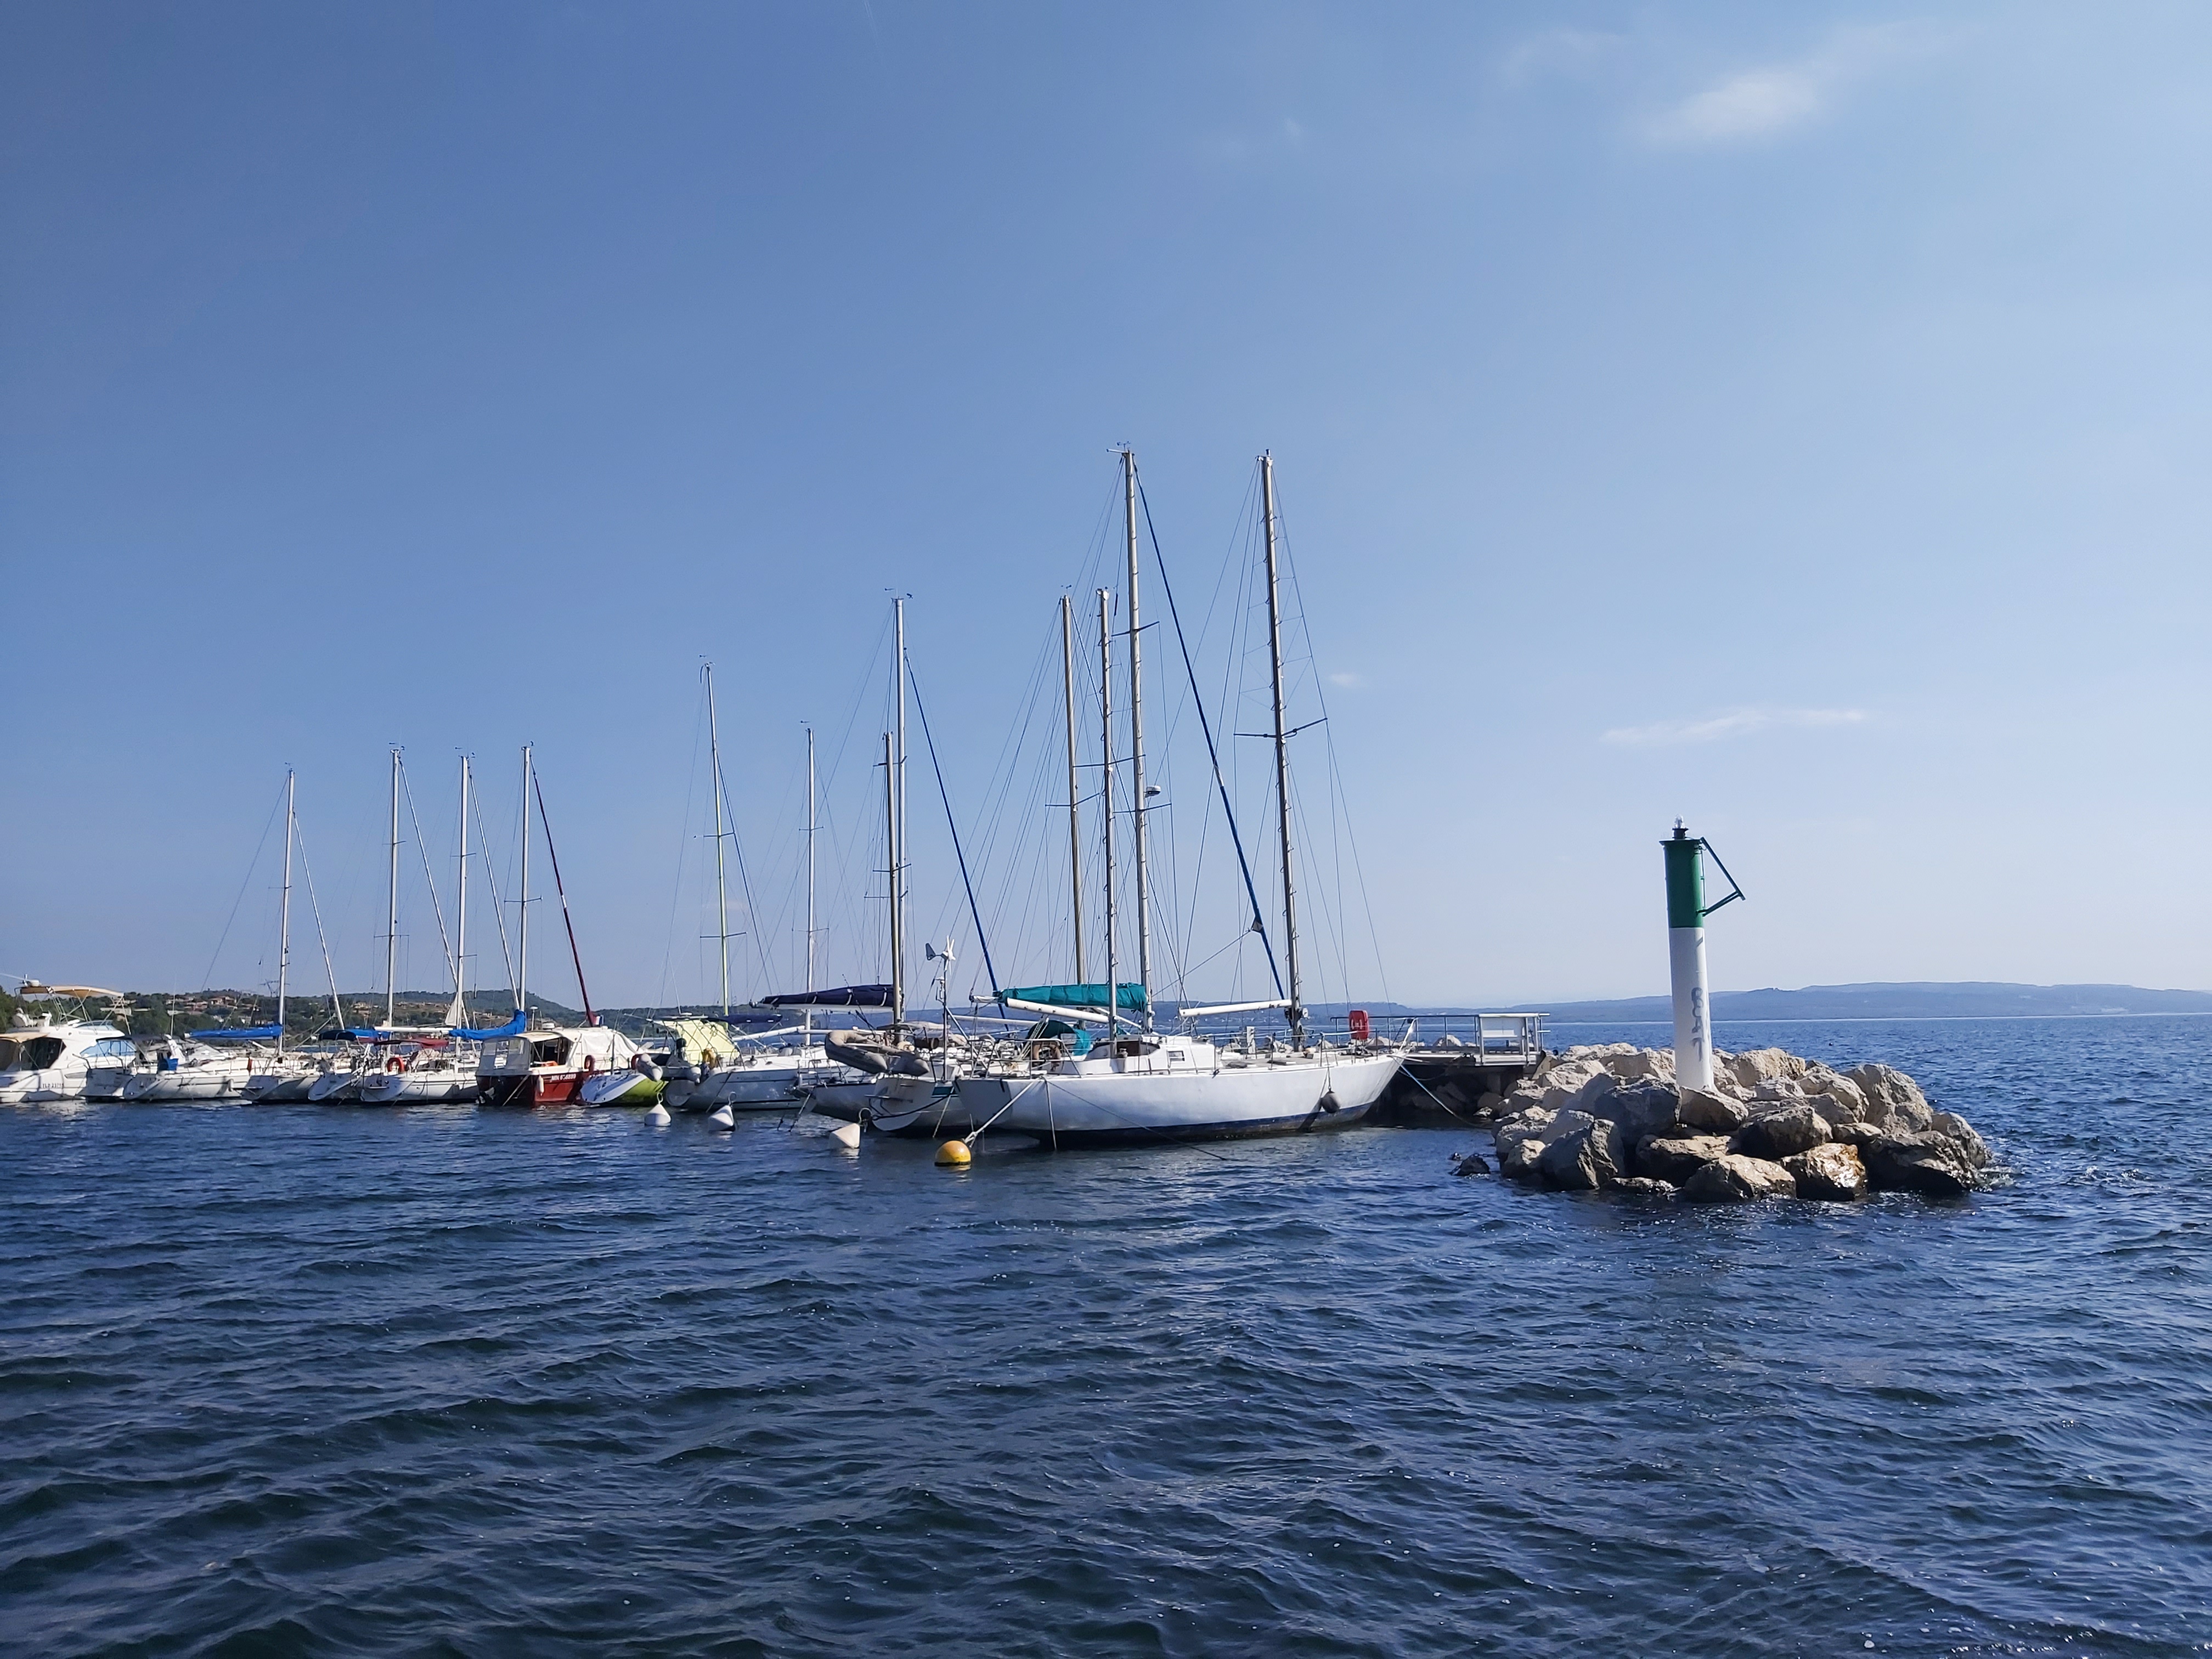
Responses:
[1965,999]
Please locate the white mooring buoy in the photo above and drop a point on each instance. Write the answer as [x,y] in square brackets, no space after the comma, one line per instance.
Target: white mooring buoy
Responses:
[723,1118]
[847,1135]
[658,1116]
[1686,911]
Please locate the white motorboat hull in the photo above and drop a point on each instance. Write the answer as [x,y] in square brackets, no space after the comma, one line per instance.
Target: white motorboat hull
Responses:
[106,1082]
[47,1083]
[1098,1104]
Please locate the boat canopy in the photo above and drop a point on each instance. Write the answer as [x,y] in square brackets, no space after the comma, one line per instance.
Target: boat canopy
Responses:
[515,1027]
[844,996]
[700,1040]
[238,1033]
[1127,994]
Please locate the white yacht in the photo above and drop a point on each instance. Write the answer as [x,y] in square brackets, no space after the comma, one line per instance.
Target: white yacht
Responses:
[54,1060]
[1163,1086]
[189,1071]
[1143,1085]
[429,1074]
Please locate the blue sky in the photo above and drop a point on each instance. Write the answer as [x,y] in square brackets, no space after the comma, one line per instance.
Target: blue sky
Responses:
[1792,419]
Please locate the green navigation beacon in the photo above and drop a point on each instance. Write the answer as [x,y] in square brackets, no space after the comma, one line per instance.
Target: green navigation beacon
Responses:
[1686,911]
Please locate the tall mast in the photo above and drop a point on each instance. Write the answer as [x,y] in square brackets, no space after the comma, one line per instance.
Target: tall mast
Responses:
[284,912]
[1296,1012]
[522,906]
[721,892]
[1074,823]
[1106,797]
[810,862]
[1137,737]
[898,806]
[460,1010]
[891,839]
[568,921]
[391,932]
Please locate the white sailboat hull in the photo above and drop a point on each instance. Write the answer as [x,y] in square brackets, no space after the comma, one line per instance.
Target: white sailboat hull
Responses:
[1098,1102]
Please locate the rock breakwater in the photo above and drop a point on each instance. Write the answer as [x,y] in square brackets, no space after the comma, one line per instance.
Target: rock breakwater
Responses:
[1775,1125]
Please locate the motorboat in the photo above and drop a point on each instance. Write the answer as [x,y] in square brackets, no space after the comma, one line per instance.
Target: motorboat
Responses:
[641,1084]
[54,1060]
[549,1067]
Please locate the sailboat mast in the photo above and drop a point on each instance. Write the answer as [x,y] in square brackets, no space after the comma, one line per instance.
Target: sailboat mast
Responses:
[721,890]
[890,840]
[1137,736]
[553,857]
[1106,798]
[391,932]
[898,804]
[284,911]
[461,911]
[522,906]
[1296,1012]
[810,861]
[1074,818]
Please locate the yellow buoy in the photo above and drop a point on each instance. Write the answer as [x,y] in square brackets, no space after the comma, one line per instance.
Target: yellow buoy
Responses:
[952,1155]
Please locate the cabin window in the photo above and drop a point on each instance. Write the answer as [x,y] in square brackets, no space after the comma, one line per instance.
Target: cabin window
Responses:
[548,1051]
[40,1053]
[112,1048]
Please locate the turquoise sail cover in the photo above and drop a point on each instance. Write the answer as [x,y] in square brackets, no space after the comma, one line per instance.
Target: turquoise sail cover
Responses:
[1126,995]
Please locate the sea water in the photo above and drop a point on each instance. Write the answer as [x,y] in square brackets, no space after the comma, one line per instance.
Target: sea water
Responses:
[330,1380]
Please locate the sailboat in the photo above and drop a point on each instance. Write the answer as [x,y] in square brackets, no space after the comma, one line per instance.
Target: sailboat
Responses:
[713,1064]
[1140,1086]
[889,1084]
[520,1067]
[426,1068]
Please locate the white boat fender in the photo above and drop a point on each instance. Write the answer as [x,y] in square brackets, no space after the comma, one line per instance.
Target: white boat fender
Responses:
[658,1116]
[723,1118]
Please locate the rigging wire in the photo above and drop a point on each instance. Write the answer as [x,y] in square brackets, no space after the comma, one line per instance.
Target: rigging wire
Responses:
[208,979]
[437,909]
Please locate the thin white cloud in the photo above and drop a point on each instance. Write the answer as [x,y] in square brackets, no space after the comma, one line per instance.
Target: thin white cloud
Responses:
[1738,723]
[1559,51]
[1350,682]
[1771,99]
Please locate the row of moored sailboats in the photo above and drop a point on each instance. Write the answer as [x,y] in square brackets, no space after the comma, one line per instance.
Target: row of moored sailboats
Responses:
[1083,1062]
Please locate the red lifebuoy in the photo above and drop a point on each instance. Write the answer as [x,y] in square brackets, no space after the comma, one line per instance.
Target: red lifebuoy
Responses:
[589,1065]
[395,1064]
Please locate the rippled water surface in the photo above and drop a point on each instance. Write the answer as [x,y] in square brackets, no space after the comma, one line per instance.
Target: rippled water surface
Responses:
[305,1379]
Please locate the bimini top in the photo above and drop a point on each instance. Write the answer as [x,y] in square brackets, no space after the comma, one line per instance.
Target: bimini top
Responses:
[238,1033]
[844,996]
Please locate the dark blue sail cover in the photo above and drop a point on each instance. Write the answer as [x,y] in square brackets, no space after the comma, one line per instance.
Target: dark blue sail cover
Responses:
[844,996]
[1129,995]
[238,1033]
[515,1027]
